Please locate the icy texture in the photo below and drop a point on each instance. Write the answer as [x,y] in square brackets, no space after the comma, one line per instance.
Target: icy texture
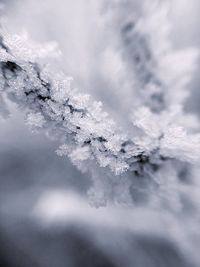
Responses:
[161,133]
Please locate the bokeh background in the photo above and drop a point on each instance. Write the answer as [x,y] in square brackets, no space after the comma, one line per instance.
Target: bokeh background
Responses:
[45,218]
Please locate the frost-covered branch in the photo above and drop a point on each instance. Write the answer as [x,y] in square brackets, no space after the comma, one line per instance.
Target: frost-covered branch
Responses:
[88,136]
[157,71]
[86,132]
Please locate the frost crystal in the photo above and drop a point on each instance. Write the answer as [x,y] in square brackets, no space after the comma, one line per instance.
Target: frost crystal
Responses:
[35,120]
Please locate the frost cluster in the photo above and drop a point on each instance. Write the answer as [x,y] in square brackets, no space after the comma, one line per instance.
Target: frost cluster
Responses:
[125,167]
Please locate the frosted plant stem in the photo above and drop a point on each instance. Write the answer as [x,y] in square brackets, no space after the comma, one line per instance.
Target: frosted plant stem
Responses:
[87,134]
